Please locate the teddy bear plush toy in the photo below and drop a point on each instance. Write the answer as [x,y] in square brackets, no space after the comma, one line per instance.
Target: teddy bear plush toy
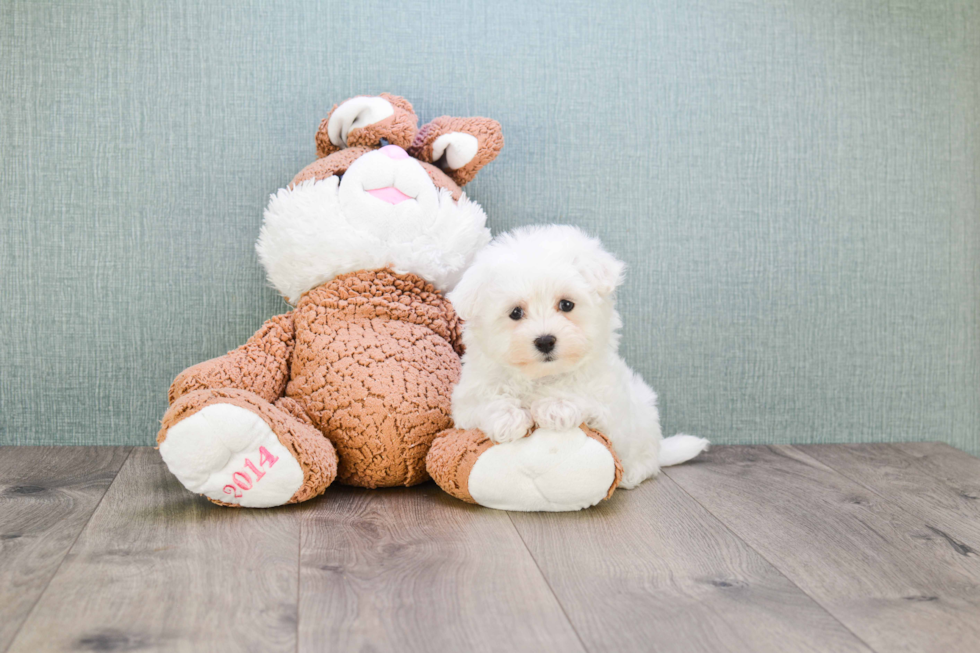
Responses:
[354,383]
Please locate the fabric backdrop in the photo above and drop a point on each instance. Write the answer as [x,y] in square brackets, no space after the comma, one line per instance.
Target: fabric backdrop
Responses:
[793,185]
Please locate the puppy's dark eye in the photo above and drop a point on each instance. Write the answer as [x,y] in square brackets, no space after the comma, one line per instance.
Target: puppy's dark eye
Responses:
[565,306]
[517,313]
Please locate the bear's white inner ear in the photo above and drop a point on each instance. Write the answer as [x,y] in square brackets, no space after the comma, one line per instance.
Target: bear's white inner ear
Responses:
[354,113]
[459,148]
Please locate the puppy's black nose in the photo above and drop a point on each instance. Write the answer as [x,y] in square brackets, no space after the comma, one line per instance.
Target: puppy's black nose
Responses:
[545,344]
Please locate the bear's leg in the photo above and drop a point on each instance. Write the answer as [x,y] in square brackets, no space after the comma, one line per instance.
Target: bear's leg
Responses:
[238,449]
[548,470]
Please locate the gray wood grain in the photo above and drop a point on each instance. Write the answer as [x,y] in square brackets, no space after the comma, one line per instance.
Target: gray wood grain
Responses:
[653,570]
[957,469]
[47,495]
[748,549]
[158,568]
[415,570]
[880,570]
[950,509]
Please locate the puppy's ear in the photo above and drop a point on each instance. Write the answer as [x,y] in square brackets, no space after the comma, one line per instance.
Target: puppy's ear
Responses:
[460,146]
[601,270]
[466,296]
[364,120]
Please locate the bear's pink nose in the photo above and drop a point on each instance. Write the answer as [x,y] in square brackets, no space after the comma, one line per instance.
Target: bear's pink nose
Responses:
[394,152]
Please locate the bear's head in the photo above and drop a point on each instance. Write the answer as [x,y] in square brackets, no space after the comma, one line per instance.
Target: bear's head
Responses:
[383,193]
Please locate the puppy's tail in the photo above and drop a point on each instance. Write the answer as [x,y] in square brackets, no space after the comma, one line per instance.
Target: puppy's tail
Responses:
[679,449]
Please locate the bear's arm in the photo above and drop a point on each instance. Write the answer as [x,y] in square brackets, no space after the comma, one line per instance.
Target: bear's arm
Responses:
[261,365]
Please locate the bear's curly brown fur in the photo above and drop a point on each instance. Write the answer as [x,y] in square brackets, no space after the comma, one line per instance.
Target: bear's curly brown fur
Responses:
[365,362]
[375,359]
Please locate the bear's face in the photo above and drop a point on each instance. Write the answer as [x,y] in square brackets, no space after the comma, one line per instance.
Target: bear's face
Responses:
[383,194]
[387,184]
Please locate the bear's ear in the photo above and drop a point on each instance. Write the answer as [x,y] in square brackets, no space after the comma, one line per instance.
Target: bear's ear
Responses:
[364,120]
[460,146]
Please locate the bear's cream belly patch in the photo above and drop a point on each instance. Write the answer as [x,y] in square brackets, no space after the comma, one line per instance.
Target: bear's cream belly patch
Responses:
[546,471]
[230,454]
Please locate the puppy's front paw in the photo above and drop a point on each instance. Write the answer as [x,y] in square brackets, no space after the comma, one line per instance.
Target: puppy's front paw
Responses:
[556,414]
[506,423]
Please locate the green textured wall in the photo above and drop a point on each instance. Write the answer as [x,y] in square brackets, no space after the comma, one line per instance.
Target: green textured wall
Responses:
[794,186]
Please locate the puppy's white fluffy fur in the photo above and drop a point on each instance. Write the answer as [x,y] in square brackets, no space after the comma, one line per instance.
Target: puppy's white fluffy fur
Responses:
[509,384]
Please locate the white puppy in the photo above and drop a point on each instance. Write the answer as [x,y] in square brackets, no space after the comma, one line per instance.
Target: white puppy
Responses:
[542,335]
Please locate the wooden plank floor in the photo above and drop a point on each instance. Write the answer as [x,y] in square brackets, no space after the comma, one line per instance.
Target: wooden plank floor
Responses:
[785,548]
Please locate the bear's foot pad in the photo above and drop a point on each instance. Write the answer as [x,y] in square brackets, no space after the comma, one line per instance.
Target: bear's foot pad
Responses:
[550,471]
[231,455]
